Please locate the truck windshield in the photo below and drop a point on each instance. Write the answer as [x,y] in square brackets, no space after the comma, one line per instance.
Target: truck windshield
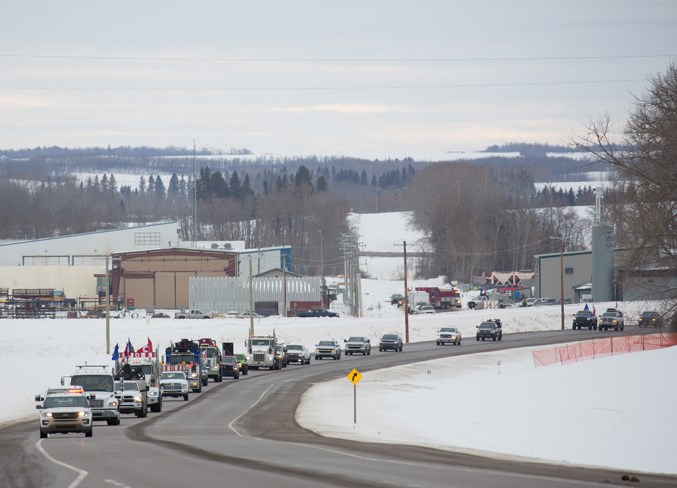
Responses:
[181,358]
[93,382]
[260,342]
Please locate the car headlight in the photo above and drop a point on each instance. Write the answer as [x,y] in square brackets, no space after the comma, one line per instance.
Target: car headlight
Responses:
[193,375]
[82,414]
[113,404]
[152,393]
[48,414]
[138,399]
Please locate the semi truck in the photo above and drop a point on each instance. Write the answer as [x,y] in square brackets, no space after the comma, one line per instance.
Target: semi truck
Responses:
[188,352]
[261,352]
[212,358]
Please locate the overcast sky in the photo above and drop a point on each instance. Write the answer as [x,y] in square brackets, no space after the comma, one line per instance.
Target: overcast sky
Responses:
[370,78]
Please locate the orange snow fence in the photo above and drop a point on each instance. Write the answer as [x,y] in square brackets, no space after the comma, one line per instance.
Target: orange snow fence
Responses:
[606,346]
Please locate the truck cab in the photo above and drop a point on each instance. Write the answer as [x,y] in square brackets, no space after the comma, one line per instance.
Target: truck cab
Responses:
[99,387]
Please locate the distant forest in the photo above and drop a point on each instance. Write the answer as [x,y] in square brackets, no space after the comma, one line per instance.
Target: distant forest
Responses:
[302,202]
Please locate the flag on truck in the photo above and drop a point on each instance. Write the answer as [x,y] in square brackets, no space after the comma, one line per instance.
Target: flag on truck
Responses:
[147,348]
[129,349]
[116,353]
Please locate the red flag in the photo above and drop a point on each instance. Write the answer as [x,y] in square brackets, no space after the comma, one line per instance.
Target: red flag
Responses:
[148,347]
[594,312]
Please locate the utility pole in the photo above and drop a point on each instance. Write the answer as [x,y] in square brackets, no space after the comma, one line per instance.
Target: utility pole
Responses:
[406,294]
[251,299]
[107,306]
[284,286]
[561,278]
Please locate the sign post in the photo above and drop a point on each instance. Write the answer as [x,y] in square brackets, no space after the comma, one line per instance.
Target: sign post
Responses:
[354,377]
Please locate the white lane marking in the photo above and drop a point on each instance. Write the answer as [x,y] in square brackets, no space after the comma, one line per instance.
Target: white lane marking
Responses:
[116,483]
[82,474]
[230,425]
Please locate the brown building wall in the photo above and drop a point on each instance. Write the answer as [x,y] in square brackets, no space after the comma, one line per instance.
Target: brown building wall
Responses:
[160,278]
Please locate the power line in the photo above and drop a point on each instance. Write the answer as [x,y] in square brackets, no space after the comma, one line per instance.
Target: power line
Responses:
[327,88]
[336,60]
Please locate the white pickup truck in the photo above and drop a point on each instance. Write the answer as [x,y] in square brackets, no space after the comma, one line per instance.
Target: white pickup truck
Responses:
[193,314]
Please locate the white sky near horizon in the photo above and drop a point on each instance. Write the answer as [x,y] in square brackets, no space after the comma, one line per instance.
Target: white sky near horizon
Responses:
[378,79]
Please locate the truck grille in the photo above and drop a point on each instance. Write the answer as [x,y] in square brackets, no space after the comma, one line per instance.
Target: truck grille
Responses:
[259,356]
[64,415]
[94,403]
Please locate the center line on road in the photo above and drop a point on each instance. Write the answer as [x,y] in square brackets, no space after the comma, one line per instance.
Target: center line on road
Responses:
[82,474]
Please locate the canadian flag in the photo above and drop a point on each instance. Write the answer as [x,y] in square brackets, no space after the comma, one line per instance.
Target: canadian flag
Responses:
[147,348]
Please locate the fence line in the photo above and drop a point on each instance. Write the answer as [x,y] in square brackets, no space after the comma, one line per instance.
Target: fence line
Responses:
[603,347]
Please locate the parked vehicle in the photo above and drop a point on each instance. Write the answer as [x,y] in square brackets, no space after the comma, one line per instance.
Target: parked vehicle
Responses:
[425,309]
[441,299]
[247,314]
[317,312]
[174,384]
[390,342]
[585,318]
[357,344]
[396,299]
[193,314]
[491,329]
[63,413]
[296,353]
[650,318]
[328,349]
[611,319]
[449,335]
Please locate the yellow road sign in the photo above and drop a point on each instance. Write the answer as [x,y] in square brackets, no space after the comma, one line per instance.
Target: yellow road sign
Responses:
[354,376]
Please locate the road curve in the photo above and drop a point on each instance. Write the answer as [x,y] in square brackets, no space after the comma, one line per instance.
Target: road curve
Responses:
[243,433]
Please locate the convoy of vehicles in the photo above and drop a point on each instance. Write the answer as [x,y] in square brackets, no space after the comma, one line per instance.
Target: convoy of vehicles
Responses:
[448,335]
[357,345]
[328,349]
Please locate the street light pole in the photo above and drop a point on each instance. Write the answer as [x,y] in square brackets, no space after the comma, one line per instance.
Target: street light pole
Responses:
[561,278]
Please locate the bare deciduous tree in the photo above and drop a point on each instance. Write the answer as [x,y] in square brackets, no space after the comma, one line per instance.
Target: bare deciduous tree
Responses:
[645,216]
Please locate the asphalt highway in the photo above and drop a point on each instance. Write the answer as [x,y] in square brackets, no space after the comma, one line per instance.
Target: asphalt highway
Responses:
[243,433]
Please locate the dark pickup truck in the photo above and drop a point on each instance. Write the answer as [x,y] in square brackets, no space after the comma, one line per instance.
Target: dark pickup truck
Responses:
[489,330]
[585,318]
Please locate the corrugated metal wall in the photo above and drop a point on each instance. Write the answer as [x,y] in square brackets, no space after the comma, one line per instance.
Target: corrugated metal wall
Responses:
[223,294]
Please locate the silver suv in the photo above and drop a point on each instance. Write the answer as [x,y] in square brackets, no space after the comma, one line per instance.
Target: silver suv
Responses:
[63,413]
